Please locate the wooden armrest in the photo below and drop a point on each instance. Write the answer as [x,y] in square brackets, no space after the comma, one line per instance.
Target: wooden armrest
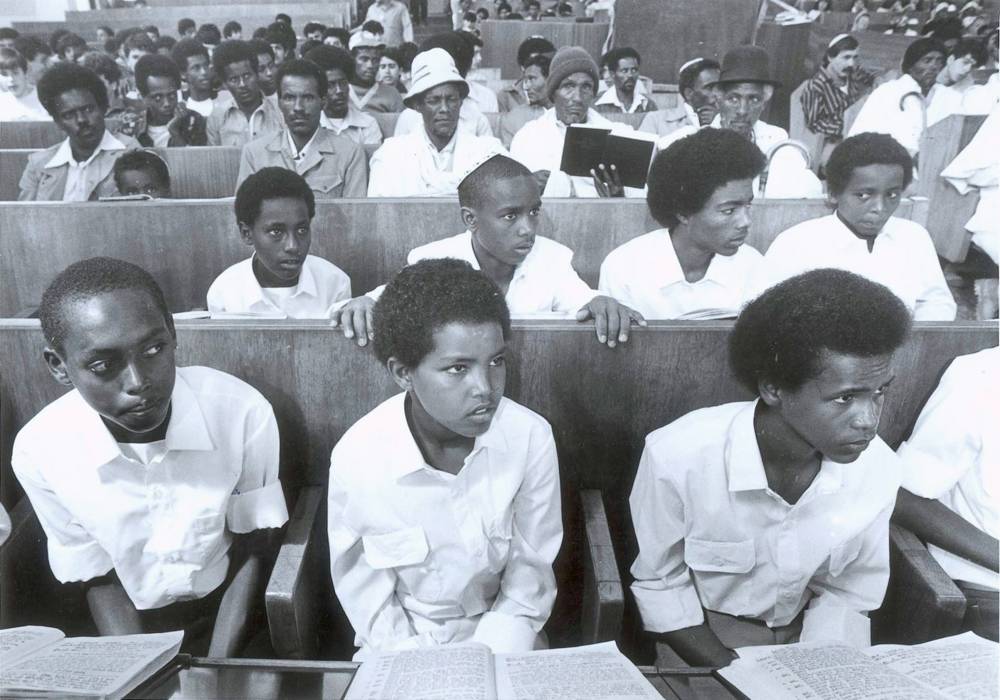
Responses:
[291,597]
[922,602]
[603,599]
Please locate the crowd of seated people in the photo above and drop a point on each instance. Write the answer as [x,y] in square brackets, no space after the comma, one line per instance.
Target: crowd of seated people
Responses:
[757,522]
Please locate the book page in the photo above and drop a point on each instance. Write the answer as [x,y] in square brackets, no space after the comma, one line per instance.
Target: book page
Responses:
[102,666]
[819,671]
[963,667]
[579,673]
[458,672]
[17,643]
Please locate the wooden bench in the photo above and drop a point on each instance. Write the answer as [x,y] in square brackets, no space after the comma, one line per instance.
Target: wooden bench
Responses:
[600,403]
[186,244]
[196,172]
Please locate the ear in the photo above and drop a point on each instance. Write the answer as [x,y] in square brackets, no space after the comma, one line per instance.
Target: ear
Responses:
[469,218]
[245,233]
[686,94]
[769,393]
[56,366]
[683,219]
[400,373]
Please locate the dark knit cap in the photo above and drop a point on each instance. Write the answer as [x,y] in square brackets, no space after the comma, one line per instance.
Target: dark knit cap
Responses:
[920,48]
[567,61]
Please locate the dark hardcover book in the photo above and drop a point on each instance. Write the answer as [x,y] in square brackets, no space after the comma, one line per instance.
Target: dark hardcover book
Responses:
[586,147]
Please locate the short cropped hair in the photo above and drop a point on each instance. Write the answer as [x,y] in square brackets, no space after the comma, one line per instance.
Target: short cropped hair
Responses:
[282,33]
[151,29]
[427,296]
[480,181]
[690,73]
[71,41]
[685,176]
[232,51]
[340,33]
[31,46]
[185,49]
[283,18]
[313,27]
[612,57]
[270,183]
[865,149]
[9,58]
[102,64]
[184,25]
[209,34]
[780,335]
[62,78]
[156,66]
[259,47]
[542,60]
[332,58]
[89,278]
[301,68]
[231,27]
[139,41]
[144,160]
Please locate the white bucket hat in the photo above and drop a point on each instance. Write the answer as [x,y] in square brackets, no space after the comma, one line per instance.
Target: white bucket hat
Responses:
[365,39]
[432,68]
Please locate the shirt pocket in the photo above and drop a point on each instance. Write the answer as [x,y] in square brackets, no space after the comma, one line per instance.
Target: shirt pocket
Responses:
[405,552]
[327,185]
[844,554]
[721,572]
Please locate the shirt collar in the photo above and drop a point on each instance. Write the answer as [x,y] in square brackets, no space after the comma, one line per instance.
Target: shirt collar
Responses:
[667,268]
[352,118]
[448,150]
[64,154]
[306,285]
[745,467]
[610,97]
[292,150]
[406,457]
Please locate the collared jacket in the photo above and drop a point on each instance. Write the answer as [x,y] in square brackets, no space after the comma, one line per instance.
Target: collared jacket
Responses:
[44,180]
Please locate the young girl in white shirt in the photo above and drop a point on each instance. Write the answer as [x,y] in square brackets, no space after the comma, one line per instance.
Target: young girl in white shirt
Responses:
[444,510]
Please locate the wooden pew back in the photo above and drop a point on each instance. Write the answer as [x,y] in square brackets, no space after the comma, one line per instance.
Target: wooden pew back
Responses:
[369,239]
[196,172]
[502,37]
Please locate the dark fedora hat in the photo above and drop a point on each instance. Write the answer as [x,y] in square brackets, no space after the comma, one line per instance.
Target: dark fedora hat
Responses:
[745,64]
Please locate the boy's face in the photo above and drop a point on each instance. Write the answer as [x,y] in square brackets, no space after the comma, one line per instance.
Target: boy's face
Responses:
[266,73]
[459,384]
[333,40]
[870,198]
[79,115]
[958,68]
[161,99]
[14,80]
[504,224]
[118,351]
[144,181]
[723,224]
[241,81]
[837,412]
[199,73]
[132,57]
[280,238]
[300,104]
[388,71]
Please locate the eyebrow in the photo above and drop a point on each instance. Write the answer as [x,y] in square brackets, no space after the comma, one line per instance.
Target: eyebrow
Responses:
[458,357]
[859,389]
[97,352]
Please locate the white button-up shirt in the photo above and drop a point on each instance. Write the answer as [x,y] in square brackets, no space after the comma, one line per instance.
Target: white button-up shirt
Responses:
[360,127]
[412,166]
[886,112]
[903,259]
[953,454]
[644,273]
[165,527]
[76,175]
[470,120]
[321,285]
[610,97]
[713,535]
[421,557]
[539,146]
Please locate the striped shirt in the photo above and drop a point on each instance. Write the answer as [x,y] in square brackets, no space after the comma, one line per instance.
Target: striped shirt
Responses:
[824,103]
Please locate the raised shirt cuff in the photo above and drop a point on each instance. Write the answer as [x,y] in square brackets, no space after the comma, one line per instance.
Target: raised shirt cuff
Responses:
[260,508]
[504,633]
[670,609]
[833,622]
[80,562]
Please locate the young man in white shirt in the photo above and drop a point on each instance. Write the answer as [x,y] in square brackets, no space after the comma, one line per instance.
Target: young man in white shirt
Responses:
[767,521]
[697,265]
[195,66]
[899,107]
[571,87]
[950,489]
[246,114]
[500,206]
[154,484]
[167,122]
[623,97]
[274,211]
[431,161]
[80,168]
[339,114]
[866,176]
[444,509]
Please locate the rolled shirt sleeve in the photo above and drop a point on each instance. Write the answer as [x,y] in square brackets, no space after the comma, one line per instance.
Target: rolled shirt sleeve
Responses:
[258,500]
[663,588]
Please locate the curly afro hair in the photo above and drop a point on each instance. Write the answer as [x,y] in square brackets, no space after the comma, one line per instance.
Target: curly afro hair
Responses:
[865,149]
[780,335]
[63,77]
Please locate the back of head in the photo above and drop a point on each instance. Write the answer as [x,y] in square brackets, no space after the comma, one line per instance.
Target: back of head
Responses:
[461,51]
[427,296]
[342,34]
[62,78]
[860,151]
[229,52]
[332,58]
[301,68]
[155,65]
[31,46]
[534,45]
[89,278]
[185,25]
[478,184]
[146,161]
[780,336]
[185,49]
[139,41]
[102,64]
[270,183]
[683,177]
[312,27]
[209,34]
[231,27]
[282,33]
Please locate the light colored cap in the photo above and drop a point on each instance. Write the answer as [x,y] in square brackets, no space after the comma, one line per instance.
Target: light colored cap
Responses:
[432,68]
[489,153]
[365,39]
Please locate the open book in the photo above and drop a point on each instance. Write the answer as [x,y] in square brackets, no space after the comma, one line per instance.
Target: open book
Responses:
[963,666]
[586,147]
[40,662]
[471,672]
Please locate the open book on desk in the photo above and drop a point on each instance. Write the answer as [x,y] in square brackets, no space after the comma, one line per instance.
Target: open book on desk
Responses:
[586,147]
[963,667]
[40,662]
[472,672]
